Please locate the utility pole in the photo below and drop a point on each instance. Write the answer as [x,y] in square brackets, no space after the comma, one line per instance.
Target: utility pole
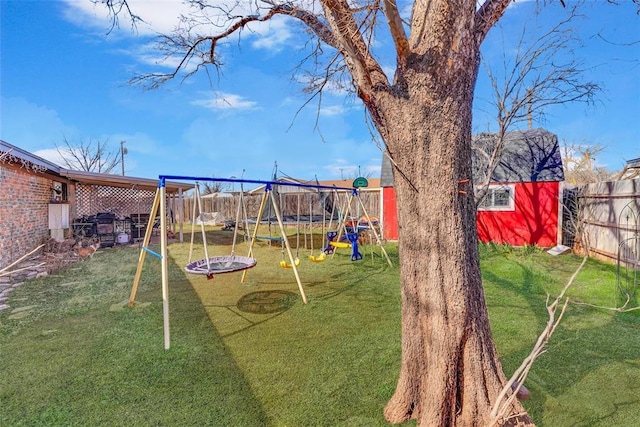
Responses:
[123,151]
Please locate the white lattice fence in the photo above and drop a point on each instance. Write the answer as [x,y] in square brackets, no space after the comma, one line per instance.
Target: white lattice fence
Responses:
[93,199]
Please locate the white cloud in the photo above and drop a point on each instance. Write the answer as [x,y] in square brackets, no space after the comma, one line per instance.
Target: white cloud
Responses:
[52,155]
[332,87]
[225,101]
[272,35]
[164,16]
[149,54]
[342,171]
[159,16]
[55,156]
[332,110]
[345,169]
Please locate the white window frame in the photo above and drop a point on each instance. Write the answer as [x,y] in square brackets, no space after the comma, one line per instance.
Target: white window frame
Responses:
[488,203]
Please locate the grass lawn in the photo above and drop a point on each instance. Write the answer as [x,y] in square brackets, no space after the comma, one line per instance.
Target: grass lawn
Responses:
[253,354]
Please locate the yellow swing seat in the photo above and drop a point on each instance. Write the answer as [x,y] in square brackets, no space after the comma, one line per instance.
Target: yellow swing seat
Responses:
[340,244]
[285,264]
[318,258]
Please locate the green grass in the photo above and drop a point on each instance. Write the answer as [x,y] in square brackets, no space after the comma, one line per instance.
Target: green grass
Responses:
[590,373]
[79,358]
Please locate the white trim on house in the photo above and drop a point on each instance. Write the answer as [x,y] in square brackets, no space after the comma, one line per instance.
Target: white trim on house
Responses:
[560,211]
[499,197]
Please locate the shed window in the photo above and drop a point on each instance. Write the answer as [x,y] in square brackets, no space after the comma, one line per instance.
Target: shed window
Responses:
[498,198]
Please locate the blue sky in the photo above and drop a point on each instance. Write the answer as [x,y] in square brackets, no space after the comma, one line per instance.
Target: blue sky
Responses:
[62,75]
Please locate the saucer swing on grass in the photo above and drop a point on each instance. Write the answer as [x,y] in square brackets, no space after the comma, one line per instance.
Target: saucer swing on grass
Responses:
[210,266]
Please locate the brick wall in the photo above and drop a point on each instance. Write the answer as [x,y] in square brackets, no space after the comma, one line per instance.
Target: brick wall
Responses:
[24,216]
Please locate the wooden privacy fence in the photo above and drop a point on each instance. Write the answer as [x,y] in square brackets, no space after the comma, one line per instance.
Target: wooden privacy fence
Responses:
[304,203]
[608,213]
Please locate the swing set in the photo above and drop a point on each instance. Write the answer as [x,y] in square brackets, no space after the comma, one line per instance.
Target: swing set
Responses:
[350,227]
[211,265]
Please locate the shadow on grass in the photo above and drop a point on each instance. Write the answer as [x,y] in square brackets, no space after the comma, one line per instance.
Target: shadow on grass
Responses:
[331,362]
[100,367]
[259,307]
[589,374]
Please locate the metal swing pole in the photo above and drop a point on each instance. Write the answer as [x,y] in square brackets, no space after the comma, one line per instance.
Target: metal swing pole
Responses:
[159,200]
[288,247]
[343,226]
[263,202]
[235,228]
[193,221]
[245,219]
[163,260]
[375,233]
[143,252]
[298,232]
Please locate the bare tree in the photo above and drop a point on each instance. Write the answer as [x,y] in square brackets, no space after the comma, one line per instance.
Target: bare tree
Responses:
[530,81]
[210,187]
[450,371]
[91,156]
[580,164]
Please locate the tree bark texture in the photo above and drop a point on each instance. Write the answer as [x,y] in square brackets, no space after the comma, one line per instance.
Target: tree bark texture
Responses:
[450,372]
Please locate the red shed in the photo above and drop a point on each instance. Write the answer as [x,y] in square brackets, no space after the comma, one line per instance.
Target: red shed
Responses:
[521,205]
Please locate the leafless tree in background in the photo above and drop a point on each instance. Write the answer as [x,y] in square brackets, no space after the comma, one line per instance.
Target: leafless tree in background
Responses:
[211,187]
[89,156]
[529,82]
[581,166]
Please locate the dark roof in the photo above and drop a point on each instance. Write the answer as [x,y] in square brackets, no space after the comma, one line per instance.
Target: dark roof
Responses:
[630,171]
[386,172]
[528,156]
[634,163]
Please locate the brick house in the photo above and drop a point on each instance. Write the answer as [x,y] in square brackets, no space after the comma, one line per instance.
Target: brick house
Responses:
[26,183]
[40,200]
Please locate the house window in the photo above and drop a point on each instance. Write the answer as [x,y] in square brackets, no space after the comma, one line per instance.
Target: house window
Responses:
[58,192]
[498,198]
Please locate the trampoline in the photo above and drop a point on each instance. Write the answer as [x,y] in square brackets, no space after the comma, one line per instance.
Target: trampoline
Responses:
[220,264]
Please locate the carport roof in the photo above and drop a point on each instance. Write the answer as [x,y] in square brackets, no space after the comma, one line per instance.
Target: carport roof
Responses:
[123,181]
[92,178]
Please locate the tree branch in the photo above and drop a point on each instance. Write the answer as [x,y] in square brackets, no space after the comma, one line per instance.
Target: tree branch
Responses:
[191,49]
[116,8]
[530,82]
[397,31]
[501,406]
[622,309]
[350,42]
[487,15]
[84,156]
[318,27]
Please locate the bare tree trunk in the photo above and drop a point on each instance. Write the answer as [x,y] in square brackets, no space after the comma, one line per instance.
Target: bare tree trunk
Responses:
[450,373]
